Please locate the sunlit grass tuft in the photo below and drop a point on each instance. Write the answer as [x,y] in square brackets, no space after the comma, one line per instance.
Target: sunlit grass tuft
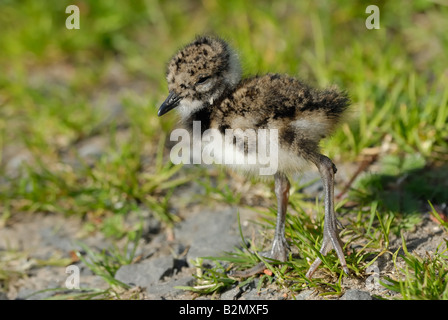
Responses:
[421,278]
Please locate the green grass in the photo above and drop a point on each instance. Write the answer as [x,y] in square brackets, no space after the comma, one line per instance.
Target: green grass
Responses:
[61,90]
[105,264]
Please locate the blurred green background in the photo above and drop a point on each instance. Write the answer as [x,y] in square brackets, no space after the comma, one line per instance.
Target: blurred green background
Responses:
[78,126]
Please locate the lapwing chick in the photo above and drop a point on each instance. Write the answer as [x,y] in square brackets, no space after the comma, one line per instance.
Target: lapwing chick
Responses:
[206,87]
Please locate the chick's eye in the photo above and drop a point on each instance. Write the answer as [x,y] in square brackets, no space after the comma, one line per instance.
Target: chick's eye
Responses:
[202,80]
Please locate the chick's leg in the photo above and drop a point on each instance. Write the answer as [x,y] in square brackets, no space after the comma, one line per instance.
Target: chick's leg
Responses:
[279,245]
[331,232]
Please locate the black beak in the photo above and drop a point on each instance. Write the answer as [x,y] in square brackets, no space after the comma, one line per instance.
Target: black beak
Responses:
[171,102]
